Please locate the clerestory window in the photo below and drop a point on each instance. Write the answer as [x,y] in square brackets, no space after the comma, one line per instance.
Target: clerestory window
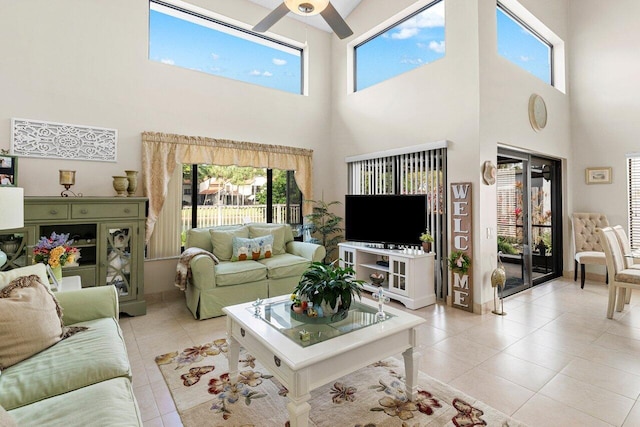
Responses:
[416,40]
[521,44]
[191,38]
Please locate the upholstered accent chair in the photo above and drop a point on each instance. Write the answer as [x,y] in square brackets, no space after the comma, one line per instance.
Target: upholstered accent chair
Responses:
[629,262]
[586,243]
[622,279]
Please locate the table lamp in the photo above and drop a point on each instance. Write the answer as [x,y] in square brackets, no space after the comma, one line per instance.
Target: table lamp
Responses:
[11,212]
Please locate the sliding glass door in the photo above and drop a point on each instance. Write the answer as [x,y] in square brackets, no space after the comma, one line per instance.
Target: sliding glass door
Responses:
[529,219]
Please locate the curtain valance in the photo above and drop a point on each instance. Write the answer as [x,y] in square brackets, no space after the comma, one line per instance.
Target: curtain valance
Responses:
[162,152]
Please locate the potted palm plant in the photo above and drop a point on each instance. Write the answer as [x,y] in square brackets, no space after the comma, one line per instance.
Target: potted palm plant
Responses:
[329,286]
[325,224]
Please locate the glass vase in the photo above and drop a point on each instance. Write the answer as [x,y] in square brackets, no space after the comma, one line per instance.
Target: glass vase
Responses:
[57,273]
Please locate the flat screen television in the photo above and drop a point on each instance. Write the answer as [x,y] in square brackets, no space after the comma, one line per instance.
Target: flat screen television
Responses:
[391,219]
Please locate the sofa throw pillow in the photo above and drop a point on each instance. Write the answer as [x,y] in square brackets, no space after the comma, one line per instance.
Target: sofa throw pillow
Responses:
[30,320]
[222,241]
[252,249]
[278,236]
[38,269]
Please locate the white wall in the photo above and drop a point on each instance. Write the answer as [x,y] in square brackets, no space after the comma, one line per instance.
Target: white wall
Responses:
[472,97]
[85,62]
[438,101]
[604,102]
[505,89]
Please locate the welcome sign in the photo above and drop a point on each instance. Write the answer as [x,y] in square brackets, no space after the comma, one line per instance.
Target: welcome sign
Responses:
[462,243]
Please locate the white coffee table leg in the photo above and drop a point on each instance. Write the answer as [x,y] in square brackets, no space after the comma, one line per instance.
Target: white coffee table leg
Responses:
[411,366]
[299,411]
[233,354]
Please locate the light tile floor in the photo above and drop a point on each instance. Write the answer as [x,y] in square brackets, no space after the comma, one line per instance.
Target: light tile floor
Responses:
[553,360]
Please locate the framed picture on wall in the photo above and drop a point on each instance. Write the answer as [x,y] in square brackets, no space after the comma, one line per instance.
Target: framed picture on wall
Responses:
[598,175]
[8,171]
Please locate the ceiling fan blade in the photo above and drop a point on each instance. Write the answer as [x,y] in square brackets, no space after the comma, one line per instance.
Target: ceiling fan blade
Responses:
[335,21]
[273,17]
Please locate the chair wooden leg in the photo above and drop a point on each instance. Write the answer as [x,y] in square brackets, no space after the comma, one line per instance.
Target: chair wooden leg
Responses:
[582,276]
[620,300]
[575,270]
[627,297]
[611,302]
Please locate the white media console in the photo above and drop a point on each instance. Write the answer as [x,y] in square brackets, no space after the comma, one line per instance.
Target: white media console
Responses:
[409,276]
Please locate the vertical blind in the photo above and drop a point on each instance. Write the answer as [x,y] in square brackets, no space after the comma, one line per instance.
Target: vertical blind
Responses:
[633,197]
[417,172]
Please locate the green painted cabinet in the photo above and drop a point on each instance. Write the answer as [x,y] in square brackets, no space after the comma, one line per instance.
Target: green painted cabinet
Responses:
[108,231]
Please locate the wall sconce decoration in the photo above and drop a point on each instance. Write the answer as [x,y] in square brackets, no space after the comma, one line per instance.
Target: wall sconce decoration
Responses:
[67,179]
[489,172]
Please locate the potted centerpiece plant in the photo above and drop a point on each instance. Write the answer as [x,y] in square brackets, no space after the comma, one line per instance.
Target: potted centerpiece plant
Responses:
[427,239]
[329,287]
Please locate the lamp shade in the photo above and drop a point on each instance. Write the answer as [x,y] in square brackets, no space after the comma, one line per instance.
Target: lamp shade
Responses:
[11,208]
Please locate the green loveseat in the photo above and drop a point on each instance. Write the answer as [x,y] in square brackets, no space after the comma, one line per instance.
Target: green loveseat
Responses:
[83,380]
[214,286]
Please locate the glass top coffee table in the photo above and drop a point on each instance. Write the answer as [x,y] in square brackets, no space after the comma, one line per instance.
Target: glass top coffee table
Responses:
[306,331]
[333,350]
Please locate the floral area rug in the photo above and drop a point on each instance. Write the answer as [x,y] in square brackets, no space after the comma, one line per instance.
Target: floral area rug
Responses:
[371,397]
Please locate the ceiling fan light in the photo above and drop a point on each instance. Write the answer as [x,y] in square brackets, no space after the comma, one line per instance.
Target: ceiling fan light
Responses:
[306,7]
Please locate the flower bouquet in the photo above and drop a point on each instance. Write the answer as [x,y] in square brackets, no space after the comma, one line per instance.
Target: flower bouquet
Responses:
[55,251]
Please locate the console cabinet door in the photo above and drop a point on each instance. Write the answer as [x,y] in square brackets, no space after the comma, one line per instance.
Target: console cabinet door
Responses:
[118,258]
[399,275]
[17,245]
[347,258]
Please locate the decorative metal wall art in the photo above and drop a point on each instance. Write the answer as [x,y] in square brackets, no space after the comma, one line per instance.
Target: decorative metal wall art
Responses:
[49,140]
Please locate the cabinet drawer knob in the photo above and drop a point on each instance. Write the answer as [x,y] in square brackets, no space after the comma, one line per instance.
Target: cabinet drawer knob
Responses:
[127,210]
[53,212]
[83,211]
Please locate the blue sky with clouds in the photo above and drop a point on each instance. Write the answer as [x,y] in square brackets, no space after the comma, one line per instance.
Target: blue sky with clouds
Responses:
[411,44]
[521,47]
[187,42]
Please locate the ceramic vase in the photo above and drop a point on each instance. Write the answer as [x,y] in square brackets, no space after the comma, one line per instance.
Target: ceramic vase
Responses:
[426,246]
[132,176]
[10,246]
[120,184]
[326,307]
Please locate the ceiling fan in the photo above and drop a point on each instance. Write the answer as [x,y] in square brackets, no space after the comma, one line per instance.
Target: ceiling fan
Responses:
[307,8]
